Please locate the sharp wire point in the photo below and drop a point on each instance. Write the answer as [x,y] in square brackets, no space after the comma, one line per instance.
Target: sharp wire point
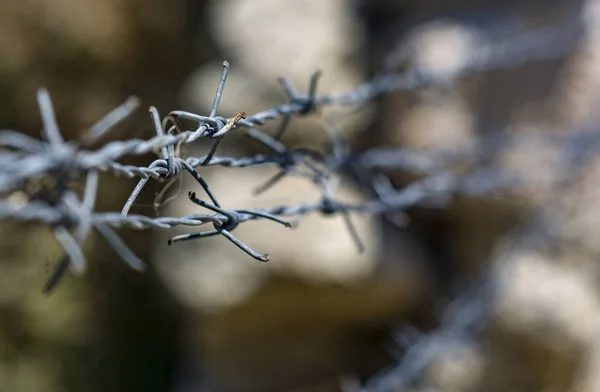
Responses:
[282,127]
[111,120]
[270,183]
[220,88]
[51,130]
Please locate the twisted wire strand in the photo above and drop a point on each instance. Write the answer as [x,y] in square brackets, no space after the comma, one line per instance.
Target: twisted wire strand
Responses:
[463,319]
[37,211]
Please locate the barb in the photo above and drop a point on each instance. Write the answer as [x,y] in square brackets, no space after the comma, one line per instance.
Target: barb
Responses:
[229,221]
[213,112]
[51,131]
[111,120]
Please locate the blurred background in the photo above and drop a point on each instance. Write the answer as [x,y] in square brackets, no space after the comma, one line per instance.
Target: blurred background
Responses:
[319,316]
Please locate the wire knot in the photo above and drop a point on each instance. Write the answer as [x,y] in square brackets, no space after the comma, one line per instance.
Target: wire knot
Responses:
[307,104]
[328,206]
[173,166]
[213,127]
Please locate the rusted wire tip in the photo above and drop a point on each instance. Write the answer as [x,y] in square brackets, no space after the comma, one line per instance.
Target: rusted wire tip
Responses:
[230,124]
[238,116]
[235,119]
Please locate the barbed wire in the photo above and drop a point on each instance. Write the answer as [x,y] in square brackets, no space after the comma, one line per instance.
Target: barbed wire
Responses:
[28,162]
[465,317]
[37,176]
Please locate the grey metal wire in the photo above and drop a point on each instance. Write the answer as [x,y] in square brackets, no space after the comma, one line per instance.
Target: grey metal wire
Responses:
[463,319]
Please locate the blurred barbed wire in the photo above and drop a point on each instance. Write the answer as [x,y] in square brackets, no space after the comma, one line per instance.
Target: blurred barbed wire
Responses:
[38,177]
[463,319]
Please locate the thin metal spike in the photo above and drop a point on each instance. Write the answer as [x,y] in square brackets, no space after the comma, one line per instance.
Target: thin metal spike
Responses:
[287,87]
[220,89]
[158,129]
[266,216]
[51,130]
[270,183]
[202,183]
[267,140]
[202,203]
[109,121]
[314,80]
[68,243]
[243,246]
[353,232]
[212,152]
[120,247]
[57,276]
[282,127]
[89,200]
